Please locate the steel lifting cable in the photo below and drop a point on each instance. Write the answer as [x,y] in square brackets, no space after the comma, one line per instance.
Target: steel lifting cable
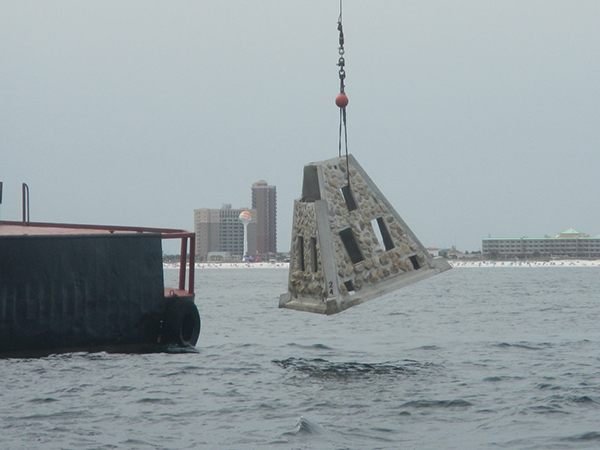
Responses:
[342,100]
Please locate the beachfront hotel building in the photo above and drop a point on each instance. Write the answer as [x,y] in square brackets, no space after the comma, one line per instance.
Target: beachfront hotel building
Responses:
[220,234]
[264,201]
[569,244]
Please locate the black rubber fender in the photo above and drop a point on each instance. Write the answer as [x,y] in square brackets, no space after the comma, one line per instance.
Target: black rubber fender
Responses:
[181,324]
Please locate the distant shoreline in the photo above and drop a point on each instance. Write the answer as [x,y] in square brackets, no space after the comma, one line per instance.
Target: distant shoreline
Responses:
[526,263]
[240,265]
[459,264]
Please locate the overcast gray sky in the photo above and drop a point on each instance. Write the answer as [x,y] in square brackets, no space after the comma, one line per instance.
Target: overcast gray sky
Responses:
[474,118]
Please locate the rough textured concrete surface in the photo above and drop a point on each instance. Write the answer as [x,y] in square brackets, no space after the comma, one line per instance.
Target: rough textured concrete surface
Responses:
[349,245]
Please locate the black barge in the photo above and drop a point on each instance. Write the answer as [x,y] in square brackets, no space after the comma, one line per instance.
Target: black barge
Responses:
[67,288]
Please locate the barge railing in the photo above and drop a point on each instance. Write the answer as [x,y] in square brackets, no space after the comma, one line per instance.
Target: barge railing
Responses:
[188,240]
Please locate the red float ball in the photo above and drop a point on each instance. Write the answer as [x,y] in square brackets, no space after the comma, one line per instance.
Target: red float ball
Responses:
[341,100]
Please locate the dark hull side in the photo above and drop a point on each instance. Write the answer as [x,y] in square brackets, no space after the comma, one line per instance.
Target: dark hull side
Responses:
[82,292]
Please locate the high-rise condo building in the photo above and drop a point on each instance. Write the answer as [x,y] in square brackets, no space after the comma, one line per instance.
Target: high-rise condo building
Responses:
[264,201]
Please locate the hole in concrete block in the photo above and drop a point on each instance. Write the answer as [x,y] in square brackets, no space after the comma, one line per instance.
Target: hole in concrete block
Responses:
[350,286]
[351,245]
[349,198]
[415,262]
[301,252]
[313,254]
[377,232]
[383,234]
[310,185]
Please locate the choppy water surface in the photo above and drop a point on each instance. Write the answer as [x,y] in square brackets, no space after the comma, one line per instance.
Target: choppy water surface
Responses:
[470,359]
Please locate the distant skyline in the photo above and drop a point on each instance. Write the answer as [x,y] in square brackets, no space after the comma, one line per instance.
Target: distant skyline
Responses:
[475,119]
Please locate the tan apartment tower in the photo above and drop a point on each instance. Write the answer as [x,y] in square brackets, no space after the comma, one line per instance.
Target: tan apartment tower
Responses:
[264,201]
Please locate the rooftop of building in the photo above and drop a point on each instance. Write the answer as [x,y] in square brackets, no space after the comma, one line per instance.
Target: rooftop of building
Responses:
[545,238]
[569,233]
[262,184]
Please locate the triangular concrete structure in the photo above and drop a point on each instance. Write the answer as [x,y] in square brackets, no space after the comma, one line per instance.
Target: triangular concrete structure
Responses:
[349,245]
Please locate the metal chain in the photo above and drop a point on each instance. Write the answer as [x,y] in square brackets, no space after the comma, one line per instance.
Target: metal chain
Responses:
[341,61]
[342,74]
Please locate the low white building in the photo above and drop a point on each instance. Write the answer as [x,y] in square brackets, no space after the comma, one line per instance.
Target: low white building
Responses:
[569,243]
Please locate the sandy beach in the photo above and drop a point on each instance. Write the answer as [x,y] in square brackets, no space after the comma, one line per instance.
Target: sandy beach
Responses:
[510,264]
[240,265]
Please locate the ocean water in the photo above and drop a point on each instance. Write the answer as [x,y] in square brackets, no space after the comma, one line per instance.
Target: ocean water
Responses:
[505,358]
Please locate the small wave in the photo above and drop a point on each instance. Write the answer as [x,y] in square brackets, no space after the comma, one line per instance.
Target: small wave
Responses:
[524,345]
[584,399]
[585,437]
[159,401]
[136,443]
[437,404]
[429,347]
[562,404]
[118,389]
[321,368]
[44,400]
[548,409]
[548,386]
[184,371]
[305,426]
[61,415]
[312,346]
[496,379]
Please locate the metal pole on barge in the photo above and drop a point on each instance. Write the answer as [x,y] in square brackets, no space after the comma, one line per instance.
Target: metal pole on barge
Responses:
[182,263]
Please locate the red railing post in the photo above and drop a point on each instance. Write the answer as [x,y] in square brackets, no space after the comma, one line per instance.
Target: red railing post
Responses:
[192,262]
[182,263]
